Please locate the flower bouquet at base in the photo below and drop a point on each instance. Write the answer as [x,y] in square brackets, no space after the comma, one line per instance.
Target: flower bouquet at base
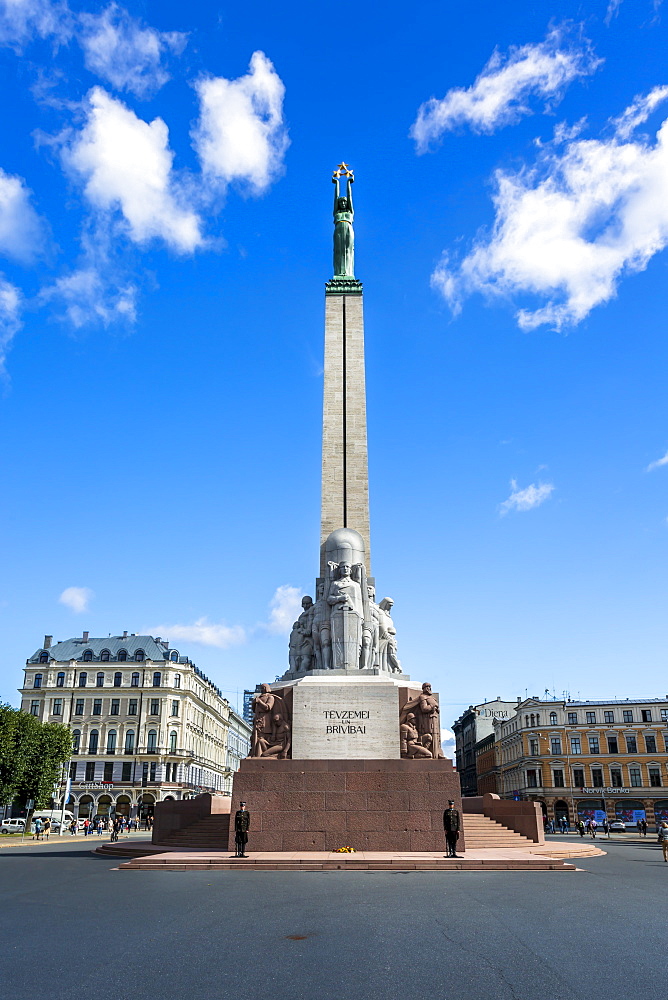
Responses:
[345,850]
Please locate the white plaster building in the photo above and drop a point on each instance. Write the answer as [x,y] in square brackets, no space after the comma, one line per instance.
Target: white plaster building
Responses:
[146,724]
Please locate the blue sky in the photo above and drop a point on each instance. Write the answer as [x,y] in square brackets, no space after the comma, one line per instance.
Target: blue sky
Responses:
[165,231]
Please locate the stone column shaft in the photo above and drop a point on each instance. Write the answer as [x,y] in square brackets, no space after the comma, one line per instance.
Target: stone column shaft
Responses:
[345,478]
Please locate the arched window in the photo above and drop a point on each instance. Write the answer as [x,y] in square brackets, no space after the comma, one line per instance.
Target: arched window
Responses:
[172,741]
[553,718]
[88,655]
[92,741]
[76,740]
[177,680]
[60,679]
[152,740]
[83,677]
[135,680]
[100,680]
[37,683]
[129,741]
[174,656]
[156,679]
[111,741]
[139,655]
[118,679]
[122,655]
[43,657]
[104,655]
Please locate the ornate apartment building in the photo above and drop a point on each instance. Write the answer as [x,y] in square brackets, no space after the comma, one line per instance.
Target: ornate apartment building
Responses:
[146,724]
[586,758]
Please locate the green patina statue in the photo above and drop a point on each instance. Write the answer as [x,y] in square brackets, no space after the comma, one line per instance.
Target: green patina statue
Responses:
[344,236]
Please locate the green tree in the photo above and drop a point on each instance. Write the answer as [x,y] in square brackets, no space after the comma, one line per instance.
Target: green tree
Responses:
[31,756]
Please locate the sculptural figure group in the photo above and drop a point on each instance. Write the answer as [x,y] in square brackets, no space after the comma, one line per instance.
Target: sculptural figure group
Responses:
[345,628]
[420,726]
[271,726]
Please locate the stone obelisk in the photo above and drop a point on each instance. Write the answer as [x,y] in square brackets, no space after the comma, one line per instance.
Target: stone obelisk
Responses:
[345,483]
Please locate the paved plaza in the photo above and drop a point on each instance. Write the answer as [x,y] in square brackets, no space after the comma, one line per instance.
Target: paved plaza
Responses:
[74,927]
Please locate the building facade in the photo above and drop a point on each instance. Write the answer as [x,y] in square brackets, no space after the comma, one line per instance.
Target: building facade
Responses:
[147,725]
[473,726]
[582,759]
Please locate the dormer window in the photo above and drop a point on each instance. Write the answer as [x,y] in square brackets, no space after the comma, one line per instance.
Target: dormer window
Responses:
[174,656]
[122,655]
[104,655]
[88,655]
[139,655]
[44,657]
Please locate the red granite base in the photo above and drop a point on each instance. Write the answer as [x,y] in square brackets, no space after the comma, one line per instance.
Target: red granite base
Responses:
[372,805]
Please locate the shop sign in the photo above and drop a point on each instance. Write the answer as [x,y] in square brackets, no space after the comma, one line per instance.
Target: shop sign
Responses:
[607,791]
[95,784]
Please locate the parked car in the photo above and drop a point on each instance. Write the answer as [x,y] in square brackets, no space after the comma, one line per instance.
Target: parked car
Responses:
[617,826]
[12,826]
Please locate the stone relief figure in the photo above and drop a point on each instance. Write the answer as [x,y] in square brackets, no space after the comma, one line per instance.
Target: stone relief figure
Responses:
[321,632]
[344,596]
[425,711]
[344,237]
[277,742]
[387,645]
[271,725]
[370,632]
[301,640]
[409,739]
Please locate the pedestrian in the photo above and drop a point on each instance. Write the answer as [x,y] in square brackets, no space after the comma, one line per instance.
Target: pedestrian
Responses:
[581,828]
[663,839]
[86,826]
[606,827]
[38,829]
[451,825]
[73,827]
[592,828]
[47,828]
[241,828]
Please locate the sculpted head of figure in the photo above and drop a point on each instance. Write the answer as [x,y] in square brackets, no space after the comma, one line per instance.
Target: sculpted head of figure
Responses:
[386,604]
[342,205]
[371,591]
[410,718]
[307,602]
[265,689]
[320,590]
[344,569]
[426,688]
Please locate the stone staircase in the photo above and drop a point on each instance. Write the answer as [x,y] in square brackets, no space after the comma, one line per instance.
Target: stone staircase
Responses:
[482,833]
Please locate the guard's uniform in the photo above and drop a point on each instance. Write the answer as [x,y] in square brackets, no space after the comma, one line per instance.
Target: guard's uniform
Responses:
[451,825]
[241,828]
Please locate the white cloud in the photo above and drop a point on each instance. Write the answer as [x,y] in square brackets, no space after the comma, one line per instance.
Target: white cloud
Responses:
[448,743]
[76,598]
[126,164]
[499,94]
[127,55]
[21,229]
[204,632]
[284,609]
[526,499]
[658,464]
[88,297]
[612,11]
[638,112]
[23,20]
[10,317]
[569,228]
[240,134]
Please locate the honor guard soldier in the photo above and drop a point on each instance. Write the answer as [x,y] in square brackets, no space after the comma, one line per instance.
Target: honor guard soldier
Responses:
[241,828]
[451,825]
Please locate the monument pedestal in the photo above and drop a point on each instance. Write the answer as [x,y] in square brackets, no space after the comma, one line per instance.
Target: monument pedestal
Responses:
[373,805]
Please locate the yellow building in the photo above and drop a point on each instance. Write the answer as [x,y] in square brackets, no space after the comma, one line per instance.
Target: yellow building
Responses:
[584,759]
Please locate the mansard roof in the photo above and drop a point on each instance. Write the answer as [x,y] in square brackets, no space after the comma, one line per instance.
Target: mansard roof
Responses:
[73,649]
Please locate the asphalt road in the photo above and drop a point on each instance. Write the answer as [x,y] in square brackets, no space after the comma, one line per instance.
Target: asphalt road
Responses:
[72,927]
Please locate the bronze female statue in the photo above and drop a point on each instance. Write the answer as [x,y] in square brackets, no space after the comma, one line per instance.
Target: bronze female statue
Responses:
[344,237]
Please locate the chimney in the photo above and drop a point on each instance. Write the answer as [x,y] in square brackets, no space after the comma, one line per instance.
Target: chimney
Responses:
[125,635]
[85,636]
[47,642]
